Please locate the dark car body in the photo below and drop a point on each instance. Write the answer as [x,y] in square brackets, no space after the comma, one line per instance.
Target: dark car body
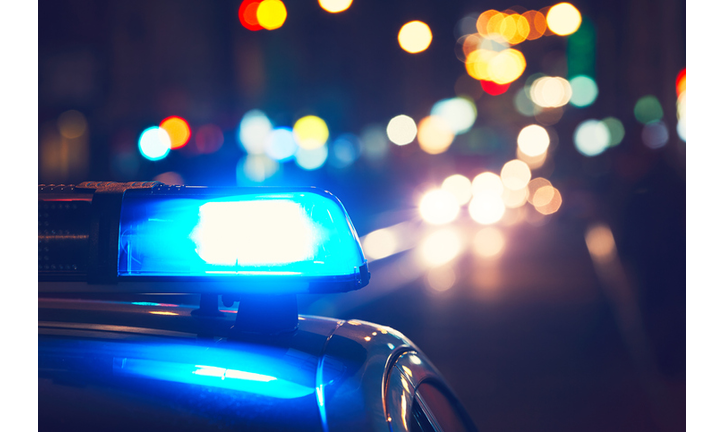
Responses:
[151,363]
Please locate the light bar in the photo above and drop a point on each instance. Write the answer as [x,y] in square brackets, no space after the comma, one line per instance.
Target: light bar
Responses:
[268,240]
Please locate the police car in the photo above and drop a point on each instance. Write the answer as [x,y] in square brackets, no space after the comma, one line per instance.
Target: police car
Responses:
[174,308]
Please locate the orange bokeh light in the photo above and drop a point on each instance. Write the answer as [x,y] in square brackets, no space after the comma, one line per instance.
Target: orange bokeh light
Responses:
[247,14]
[681,82]
[536,23]
[178,130]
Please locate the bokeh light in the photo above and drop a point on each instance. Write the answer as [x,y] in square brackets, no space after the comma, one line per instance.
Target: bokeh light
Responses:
[374,142]
[271,14]
[547,200]
[255,168]
[335,6]
[591,137]
[615,130]
[154,143]
[483,19]
[523,104]
[460,186]
[681,82]
[253,130]
[515,174]
[72,124]
[209,139]
[247,14]
[178,131]
[380,244]
[543,196]
[494,89]
[533,162]
[536,23]
[439,207]
[311,159]
[488,242]
[600,243]
[533,140]
[434,135]
[655,135]
[487,183]
[648,109]
[515,198]
[507,66]
[551,92]
[344,151]
[585,91]
[563,19]
[415,37]
[486,208]
[310,132]
[440,247]
[441,278]
[280,145]
[169,178]
[459,113]
[401,130]
[534,185]
[681,115]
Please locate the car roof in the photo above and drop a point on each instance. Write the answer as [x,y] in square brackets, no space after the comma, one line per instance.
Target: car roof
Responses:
[328,374]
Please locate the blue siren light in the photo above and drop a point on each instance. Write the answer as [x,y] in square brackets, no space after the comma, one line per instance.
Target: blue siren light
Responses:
[259,239]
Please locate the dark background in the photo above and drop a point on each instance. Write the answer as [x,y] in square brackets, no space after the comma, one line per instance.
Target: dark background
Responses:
[538,339]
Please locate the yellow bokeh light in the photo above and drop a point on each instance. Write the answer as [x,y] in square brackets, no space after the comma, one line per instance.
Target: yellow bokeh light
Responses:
[536,24]
[534,185]
[515,174]
[514,28]
[488,242]
[335,6]
[487,183]
[460,186]
[310,132]
[477,62]
[380,244]
[543,194]
[533,140]
[415,37]
[563,19]
[439,207]
[495,22]
[271,14]
[434,135]
[506,66]
[440,247]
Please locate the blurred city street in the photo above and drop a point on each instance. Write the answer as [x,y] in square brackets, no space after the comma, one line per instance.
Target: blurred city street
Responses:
[516,173]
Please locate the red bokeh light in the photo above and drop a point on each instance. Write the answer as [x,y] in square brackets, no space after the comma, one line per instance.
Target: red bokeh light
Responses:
[493,88]
[209,139]
[247,14]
